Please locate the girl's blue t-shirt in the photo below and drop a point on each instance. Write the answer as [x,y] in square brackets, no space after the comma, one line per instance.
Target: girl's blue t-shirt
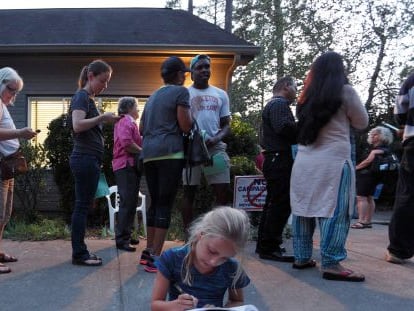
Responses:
[208,289]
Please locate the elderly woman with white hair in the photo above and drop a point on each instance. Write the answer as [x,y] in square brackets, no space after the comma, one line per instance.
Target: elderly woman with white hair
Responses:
[366,181]
[10,85]
[127,147]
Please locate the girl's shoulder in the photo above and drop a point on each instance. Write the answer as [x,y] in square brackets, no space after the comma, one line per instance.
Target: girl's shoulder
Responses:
[176,252]
[230,266]
[81,100]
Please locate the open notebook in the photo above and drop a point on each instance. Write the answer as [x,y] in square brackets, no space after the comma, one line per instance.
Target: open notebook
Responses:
[240,308]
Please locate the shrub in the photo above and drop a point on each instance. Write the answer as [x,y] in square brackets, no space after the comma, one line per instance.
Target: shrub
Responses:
[58,146]
[29,186]
[242,140]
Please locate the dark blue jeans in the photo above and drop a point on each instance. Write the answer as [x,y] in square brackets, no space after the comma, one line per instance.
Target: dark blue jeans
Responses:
[277,169]
[127,180]
[85,169]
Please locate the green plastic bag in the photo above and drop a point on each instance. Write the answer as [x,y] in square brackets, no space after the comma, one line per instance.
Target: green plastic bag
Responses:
[103,188]
[219,165]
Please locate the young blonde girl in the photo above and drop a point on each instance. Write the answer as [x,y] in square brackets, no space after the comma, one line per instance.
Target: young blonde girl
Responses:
[199,273]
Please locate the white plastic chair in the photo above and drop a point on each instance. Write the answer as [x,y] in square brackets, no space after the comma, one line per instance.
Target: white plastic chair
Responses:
[114,208]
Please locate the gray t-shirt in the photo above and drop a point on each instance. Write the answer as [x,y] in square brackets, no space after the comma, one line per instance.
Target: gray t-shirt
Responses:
[208,106]
[90,141]
[161,133]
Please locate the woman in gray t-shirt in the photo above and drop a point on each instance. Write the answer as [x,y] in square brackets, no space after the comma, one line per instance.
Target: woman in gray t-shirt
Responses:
[165,118]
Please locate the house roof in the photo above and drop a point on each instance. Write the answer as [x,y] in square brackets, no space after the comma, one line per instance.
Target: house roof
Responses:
[113,29]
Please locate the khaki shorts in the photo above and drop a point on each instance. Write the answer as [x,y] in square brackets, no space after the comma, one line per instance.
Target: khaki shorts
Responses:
[221,176]
[6,200]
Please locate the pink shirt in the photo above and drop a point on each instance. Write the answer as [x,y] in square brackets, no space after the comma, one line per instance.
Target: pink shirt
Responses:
[126,132]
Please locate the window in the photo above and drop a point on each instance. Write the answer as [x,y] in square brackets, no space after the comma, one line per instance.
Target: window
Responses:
[42,110]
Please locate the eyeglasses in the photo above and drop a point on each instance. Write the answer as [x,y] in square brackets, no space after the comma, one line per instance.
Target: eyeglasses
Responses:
[12,90]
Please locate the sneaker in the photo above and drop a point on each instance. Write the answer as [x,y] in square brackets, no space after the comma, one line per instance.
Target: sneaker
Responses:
[393,259]
[146,257]
[150,267]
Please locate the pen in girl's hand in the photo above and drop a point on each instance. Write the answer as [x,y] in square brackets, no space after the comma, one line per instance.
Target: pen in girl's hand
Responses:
[180,290]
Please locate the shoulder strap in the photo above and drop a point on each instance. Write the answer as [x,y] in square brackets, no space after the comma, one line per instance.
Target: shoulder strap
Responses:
[1,111]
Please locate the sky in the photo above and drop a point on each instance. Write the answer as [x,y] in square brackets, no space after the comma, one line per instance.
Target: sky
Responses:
[25,4]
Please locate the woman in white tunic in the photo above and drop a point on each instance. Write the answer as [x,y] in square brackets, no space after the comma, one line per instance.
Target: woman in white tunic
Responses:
[323,176]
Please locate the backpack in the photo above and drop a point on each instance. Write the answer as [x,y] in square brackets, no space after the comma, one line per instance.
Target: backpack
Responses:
[385,163]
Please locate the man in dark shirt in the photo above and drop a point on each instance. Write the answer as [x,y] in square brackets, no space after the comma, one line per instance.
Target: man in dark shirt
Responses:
[278,136]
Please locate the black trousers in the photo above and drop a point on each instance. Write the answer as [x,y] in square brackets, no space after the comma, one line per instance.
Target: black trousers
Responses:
[163,179]
[277,169]
[127,180]
[401,229]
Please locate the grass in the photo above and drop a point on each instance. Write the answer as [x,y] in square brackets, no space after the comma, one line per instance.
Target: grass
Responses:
[42,230]
[52,229]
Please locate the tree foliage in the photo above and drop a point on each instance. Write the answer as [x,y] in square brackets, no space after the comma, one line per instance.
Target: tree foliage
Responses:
[374,37]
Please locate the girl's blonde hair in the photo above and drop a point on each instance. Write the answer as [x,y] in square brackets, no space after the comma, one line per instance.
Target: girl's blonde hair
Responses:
[385,135]
[222,222]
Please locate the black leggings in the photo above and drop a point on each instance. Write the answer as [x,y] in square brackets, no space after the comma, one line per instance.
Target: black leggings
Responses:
[163,178]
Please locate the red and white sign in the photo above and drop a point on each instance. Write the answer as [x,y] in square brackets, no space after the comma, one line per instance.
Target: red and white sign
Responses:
[249,192]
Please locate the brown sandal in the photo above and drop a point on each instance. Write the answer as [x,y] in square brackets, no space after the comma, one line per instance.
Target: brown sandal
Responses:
[4,269]
[361,225]
[339,273]
[7,258]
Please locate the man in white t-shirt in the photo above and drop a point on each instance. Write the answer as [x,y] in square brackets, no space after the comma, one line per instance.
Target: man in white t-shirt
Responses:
[210,108]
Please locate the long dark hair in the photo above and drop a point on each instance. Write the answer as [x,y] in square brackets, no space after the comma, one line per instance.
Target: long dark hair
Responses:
[321,96]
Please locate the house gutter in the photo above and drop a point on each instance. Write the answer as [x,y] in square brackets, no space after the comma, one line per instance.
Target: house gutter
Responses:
[127,48]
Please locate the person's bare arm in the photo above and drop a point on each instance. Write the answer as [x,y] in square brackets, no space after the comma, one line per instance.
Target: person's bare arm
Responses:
[159,293]
[185,121]
[223,132]
[80,124]
[236,298]
[25,133]
[368,160]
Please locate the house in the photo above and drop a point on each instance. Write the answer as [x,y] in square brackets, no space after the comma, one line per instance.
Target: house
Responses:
[48,47]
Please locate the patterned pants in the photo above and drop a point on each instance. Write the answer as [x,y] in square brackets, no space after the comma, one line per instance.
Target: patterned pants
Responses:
[333,231]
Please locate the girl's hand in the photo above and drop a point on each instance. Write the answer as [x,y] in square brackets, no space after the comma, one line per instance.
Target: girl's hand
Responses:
[186,302]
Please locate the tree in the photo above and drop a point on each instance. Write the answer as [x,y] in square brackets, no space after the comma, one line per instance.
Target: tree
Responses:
[372,36]
[290,34]
[175,4]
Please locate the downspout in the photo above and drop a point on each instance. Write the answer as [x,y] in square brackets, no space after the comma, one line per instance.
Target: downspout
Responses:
[229,74]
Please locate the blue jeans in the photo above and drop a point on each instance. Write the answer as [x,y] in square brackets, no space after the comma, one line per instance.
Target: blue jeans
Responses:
[85,169]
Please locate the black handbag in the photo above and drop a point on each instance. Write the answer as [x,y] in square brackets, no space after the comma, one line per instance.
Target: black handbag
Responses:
[13,165]
[195,149]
